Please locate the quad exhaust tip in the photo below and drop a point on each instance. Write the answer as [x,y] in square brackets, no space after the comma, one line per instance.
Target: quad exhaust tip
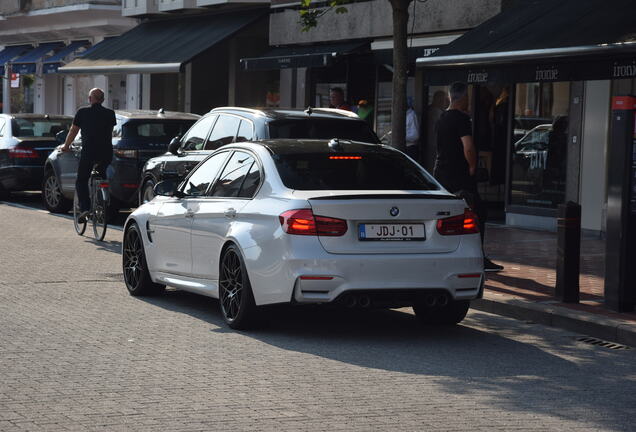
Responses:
[351,301]
[433,300]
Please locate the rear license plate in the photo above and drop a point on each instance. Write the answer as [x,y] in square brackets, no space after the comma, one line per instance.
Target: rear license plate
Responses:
[404,232]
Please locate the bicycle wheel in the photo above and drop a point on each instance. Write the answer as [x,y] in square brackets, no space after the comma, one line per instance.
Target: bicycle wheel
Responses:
[99,215]
[80,227]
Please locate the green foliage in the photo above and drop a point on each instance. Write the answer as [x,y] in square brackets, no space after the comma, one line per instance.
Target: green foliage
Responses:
[309,16]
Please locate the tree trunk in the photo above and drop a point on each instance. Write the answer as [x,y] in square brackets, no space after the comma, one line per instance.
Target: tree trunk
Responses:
[400,65]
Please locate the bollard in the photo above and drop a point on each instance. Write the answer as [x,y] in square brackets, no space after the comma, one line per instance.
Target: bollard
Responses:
[568,252]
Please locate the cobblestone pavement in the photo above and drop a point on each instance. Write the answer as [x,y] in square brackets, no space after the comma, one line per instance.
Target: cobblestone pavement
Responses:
[78,353]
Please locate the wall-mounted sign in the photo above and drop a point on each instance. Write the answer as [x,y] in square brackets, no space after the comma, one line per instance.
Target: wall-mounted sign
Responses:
[15,80]
[624,69]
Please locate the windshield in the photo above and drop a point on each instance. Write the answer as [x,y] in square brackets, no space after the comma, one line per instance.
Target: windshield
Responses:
[323,128]
[387,170]
[38,127]
[157,129]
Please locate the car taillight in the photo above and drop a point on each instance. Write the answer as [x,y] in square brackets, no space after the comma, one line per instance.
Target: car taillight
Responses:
[125,153]
[23,153]
[458,225]
[304,222]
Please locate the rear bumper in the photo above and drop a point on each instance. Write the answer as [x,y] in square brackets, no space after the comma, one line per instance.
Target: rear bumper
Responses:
[21,177]
[123,176]
[459,277]
[312,275]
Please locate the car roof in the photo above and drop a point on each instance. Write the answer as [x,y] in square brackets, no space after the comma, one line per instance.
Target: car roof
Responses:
[38,116]
[312,146]
[156,114]
[285,113]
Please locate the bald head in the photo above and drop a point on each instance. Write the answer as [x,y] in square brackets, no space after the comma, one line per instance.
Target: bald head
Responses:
[96,95]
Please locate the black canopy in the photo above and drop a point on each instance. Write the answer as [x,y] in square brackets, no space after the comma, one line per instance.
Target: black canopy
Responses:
[543,40]
[162,45]
[303,56]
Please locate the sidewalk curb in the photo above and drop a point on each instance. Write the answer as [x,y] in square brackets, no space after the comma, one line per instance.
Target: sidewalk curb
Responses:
[610,329]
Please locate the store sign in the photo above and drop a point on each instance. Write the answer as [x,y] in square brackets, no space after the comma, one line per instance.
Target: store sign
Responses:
[624,70]
[477,77]
[15,80]
[546,74]
[428,51]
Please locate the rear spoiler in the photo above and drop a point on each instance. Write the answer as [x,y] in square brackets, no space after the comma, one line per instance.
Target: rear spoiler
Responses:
[387,196]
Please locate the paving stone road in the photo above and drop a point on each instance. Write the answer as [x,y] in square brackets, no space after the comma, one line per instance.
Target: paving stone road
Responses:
[78,353]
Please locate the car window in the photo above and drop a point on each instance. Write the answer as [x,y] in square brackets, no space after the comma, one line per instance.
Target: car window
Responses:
[252,180]
[39,127]
[224,132]
[197,184]
[117,128]
[231,179]
[195,137]
[245,132]
[157,129]
[1,128]
[323,128]
[382,170]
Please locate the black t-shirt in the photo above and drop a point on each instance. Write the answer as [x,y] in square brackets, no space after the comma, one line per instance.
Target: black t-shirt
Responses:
[96,124]
[451,167]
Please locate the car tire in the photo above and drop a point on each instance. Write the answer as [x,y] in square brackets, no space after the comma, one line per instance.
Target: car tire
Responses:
[52,196]
[4,194]
[147,192]
[453,313]
[135,267]
[236,299]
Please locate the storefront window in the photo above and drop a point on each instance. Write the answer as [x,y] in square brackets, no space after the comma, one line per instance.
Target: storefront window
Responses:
[385,105]
[22,93]
[540,144]
[322,93]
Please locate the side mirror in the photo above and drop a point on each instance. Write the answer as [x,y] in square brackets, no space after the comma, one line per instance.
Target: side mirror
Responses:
[168,188]
[174,145]
[60,137]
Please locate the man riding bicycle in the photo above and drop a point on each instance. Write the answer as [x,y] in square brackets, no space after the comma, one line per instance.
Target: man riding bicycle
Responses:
[96,123]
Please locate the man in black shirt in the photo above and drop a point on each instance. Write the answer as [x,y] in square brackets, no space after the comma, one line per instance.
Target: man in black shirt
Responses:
[456,160]
[96,124]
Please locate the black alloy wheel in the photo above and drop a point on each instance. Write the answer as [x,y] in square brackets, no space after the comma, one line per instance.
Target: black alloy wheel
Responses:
[235,292]
[52,196]
[134,265]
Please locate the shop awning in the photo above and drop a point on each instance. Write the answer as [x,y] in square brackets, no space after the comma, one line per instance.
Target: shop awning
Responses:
[543,40]
[303,56]
[11,52]
[26,63]
[417,47]
[161,45]
[53,63]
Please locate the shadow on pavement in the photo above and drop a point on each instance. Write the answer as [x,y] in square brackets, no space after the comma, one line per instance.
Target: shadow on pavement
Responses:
[480,356]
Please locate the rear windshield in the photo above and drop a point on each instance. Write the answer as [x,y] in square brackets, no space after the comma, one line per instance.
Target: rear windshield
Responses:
[366,171]
[23,127]
[322,129]
[162,129]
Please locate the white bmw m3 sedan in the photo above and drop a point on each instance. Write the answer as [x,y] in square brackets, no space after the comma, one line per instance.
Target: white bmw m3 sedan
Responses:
[307,222]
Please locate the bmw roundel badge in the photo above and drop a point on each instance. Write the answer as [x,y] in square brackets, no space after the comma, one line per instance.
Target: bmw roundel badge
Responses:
[394,211]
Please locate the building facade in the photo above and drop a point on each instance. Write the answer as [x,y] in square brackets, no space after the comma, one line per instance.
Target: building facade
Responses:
[543,133]
[39,36]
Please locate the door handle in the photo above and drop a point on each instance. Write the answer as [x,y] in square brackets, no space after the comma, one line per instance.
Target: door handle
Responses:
[230,213]
[189,214]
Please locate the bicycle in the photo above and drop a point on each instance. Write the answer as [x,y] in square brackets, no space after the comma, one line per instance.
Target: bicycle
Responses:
[100,199]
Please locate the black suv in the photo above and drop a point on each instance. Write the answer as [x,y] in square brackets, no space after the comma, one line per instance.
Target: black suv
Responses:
[138,136]
[231,124]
